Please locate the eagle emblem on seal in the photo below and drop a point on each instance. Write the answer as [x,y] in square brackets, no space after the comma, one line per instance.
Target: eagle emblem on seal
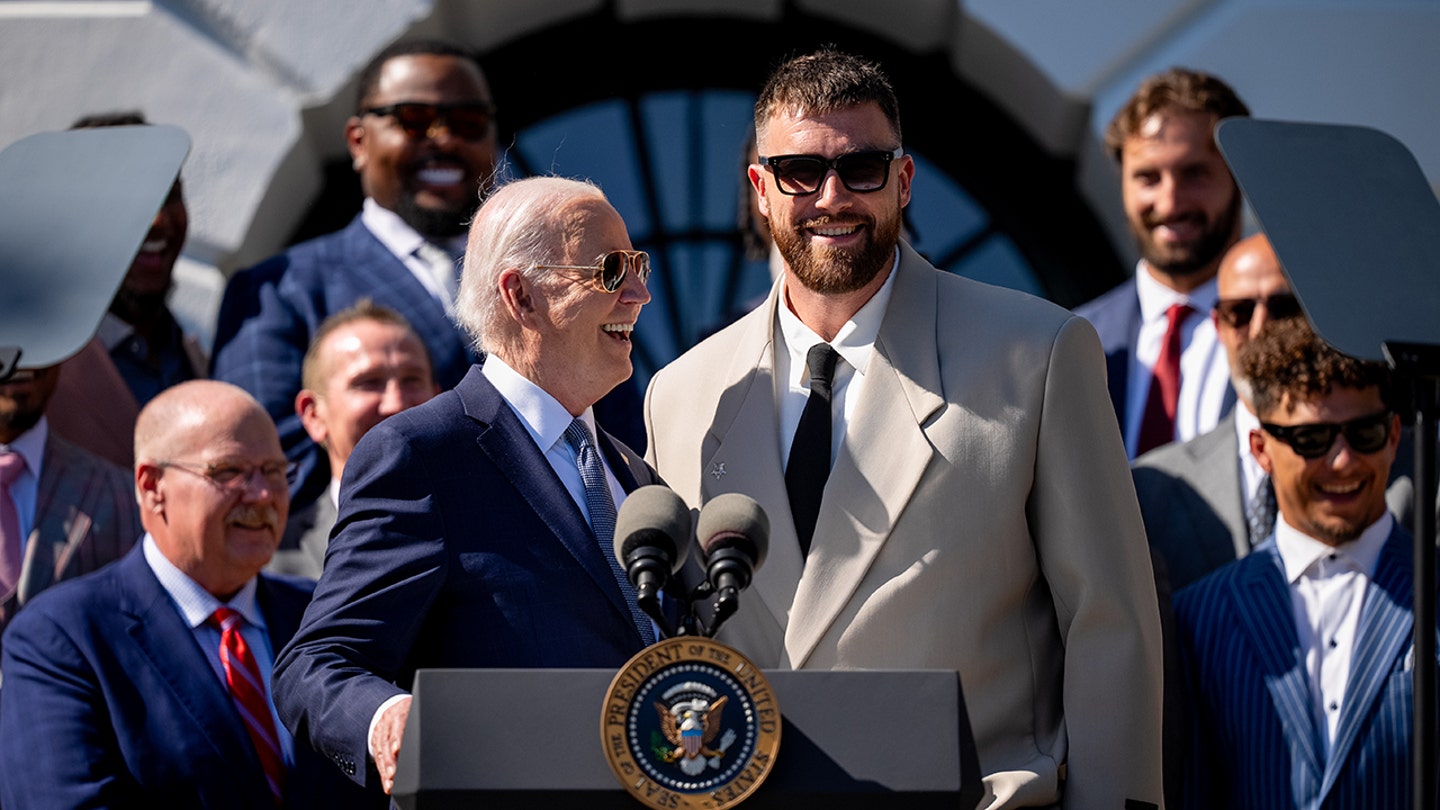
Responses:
[691,726]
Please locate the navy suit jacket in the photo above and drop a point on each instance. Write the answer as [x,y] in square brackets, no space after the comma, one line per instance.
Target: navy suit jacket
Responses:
[456,546]
[1254,741]
[271,311]
[1116,318]
[108,702]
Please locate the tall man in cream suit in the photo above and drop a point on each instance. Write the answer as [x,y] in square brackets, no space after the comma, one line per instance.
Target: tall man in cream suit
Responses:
[978,514]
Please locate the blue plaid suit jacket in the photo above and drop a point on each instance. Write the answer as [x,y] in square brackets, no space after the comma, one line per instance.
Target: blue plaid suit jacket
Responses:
[1254,741]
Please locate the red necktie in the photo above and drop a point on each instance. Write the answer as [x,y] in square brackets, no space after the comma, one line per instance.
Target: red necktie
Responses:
[1158,426]
[247,689]
[11,466]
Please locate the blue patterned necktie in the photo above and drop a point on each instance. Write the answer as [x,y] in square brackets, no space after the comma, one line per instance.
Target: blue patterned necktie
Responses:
[1260,511]
[602,517]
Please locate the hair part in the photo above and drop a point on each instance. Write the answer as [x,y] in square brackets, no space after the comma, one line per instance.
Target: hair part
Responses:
[1288,363]
[521,224]
[313,375]
[1176,90]
[823,82]
[369,80]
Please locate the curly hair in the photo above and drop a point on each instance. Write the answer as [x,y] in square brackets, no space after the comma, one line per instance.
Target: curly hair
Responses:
[1289,360]
[1175,89]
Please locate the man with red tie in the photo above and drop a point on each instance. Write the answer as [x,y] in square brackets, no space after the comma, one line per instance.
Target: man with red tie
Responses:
[147,683]
[1168,376]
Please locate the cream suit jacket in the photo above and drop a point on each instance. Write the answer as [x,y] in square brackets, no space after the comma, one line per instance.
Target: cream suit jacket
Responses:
[979,517]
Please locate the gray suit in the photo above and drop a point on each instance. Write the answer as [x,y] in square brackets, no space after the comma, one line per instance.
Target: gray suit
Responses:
[307,534]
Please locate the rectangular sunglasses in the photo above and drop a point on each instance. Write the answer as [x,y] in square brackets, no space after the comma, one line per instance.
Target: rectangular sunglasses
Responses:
[1238,311]
[860,172]
[1366,434]
[610,272]
[468,120]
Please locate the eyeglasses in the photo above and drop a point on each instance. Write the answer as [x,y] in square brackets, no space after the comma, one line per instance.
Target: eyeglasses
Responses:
[1238,311]
[233,477]
[468,120]
[860,172]
[1368,434]
[609,274]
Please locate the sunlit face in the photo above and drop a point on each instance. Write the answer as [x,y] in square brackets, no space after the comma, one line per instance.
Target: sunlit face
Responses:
[835,240]
[432,181]
[1335,497]
[151,271]
[372,370]
[581,335]
[1249,271]
[219,538]
[1180,201]
[23,398]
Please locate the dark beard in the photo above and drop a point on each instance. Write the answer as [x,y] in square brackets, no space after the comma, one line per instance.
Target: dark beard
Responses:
[138,309]
[435,222]
[836,271]
[1205,253]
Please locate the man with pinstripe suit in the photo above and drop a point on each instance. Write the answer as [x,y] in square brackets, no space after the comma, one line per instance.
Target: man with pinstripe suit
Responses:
[1298,657]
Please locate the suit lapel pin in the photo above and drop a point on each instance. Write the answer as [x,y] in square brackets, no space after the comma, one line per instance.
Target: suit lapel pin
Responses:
[718,470]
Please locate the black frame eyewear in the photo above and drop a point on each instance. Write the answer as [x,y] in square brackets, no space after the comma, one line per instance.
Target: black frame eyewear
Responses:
[860,172]
[610,271]
[1238,311]
[1366,434]
[467,120]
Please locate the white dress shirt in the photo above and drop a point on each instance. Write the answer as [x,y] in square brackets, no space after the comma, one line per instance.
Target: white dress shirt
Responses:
[196,605]
[1327,590]
[1204,369]
[404,241]
[25,491]
[854,343]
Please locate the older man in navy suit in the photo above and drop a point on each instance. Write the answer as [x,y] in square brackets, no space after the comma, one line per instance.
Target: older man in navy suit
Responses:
[145,684]
[474,530]
[1298,657]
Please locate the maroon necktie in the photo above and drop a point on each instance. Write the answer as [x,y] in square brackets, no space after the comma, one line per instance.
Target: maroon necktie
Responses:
[247,689]
[11,466]
[1158,426]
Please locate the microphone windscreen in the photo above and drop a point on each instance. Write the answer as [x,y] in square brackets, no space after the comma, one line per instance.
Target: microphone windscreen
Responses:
[653,515]
[726,516]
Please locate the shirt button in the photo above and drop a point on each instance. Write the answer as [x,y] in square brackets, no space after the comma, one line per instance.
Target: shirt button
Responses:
[1334,707]
[1334,643]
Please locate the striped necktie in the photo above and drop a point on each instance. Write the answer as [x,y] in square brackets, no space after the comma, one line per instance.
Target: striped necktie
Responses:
[247,689]
[602,518]
[12,465]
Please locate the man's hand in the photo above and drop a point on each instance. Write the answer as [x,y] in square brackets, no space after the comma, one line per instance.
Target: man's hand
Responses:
[385,741]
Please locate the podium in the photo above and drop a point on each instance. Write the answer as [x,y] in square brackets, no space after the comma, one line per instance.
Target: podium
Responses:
[870,739]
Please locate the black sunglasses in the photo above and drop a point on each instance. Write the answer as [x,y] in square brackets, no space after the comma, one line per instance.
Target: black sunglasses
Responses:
[1368,434]
[609,274]
[1238,311]
[860,172]
[469,120]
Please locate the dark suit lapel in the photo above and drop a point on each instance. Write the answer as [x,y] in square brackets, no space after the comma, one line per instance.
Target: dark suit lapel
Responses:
[150,619]
[1384,632]
[1269,623]
[61,521]
[504,439]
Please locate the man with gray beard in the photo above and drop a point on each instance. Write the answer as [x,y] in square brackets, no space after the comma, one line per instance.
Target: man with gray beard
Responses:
[147,683]
[945,486]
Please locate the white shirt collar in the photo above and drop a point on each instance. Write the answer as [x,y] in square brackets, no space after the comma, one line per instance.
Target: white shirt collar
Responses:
[1299,551]
[541,414]
[194,602]
[396,234]
[31,446]
[1156,298]
[856,340]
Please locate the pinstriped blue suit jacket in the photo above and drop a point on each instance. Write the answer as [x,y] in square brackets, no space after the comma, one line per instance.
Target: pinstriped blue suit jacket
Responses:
[1254,740]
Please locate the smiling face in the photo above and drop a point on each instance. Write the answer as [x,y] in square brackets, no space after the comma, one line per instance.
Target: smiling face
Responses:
[834,241]
[1335,497]
[1181,203]
[218,537]
[150,273]
[576,337]
[432,180]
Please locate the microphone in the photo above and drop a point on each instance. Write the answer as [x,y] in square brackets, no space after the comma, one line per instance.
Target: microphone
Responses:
[652,540]
[734,535]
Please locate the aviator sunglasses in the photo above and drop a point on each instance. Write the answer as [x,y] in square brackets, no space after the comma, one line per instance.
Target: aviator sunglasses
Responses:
[1238,311]
[1366,434]
[468,120]
[609,274]
[860,172]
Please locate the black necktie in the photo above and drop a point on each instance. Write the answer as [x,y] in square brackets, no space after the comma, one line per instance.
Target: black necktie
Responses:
[809,463]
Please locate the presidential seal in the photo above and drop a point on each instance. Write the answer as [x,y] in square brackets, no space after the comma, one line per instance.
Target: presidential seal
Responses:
[690,723]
